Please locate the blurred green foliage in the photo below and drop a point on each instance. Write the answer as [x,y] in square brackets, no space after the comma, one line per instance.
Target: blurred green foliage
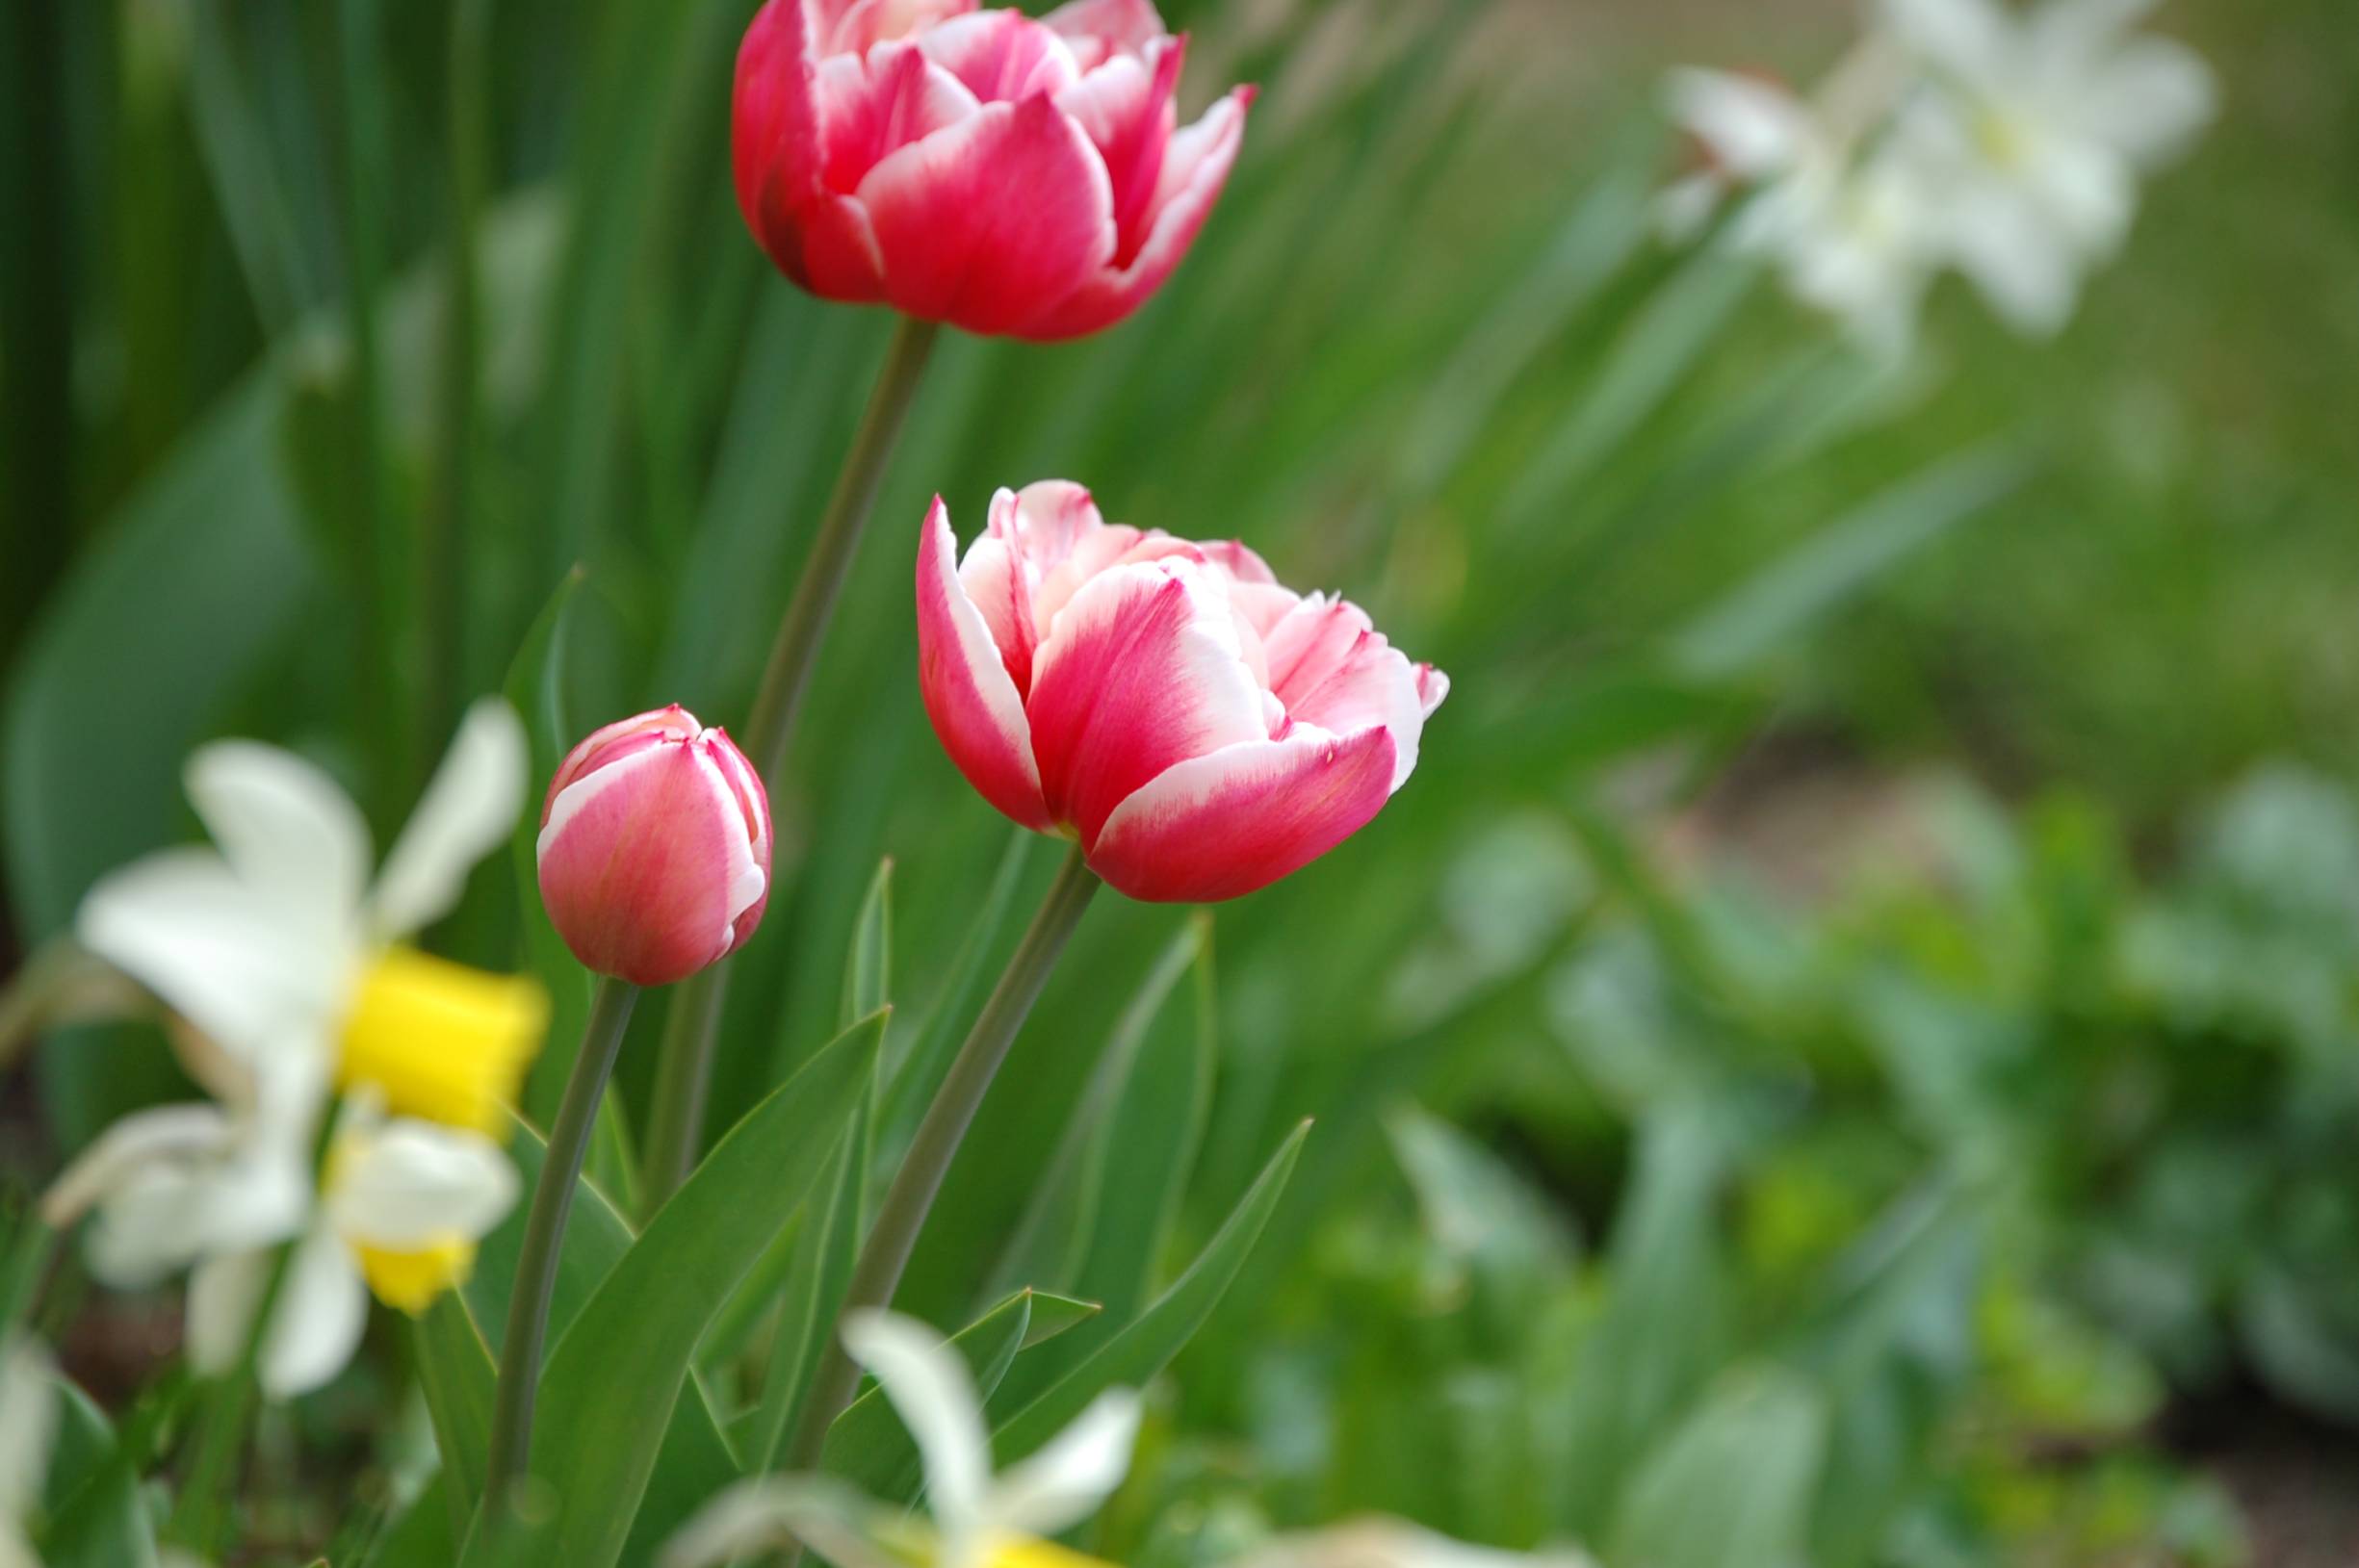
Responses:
[1642,1210]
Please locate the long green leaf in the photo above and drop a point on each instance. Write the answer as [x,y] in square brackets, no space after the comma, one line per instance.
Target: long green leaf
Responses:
[1147,1345]
[455,1366]
[536,687]
[627,1355]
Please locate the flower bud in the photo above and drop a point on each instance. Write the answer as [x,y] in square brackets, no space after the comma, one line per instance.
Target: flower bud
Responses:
[655,848]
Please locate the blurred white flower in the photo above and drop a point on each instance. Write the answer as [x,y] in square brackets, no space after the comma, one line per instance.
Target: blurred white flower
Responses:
[399,1207]
[2035,128]
[979,1520]
[1395,1543]
[1958,133]
[1848,221]
[277,961]
[279,955]
[27,1426]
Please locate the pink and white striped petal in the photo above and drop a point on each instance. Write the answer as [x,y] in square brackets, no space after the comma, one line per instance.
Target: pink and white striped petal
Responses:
[1195,169]
[1125,106]
[1002,56]
[957,243]
[1224,824]
[1097,30]
[1143,669]
[963,677]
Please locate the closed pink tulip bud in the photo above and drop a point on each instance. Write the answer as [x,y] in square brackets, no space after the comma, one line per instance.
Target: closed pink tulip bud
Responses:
[1199,729]
[1003,174]
[655,848]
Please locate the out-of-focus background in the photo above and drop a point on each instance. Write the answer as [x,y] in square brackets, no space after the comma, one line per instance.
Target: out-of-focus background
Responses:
[1847,1051]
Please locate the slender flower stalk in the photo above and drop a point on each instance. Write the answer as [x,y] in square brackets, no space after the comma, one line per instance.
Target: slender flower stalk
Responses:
[544,1233]
[683,1065]
[886,1253]
[196,1516]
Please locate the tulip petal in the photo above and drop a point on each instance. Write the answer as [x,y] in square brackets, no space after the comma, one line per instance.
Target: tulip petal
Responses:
[654,917]
[1031,533]
[848,29]
[870,106]
[973,701]
[1143,669]
[467,810]
[1195,169]
[989,221]
[1096,30]
[1333,669]
[1222,824]
[773,120]
[1125,107]
[1002,56]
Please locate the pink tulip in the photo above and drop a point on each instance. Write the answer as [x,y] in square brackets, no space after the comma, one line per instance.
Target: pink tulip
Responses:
[655,848]
[979,167]
[1199,729]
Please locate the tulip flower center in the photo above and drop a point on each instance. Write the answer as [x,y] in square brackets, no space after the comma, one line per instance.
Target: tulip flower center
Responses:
[442,1042]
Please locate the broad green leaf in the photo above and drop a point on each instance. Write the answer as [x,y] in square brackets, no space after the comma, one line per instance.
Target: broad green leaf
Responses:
[914,1076]
[627,1353]
[98,1517]
[190,589]
[1732,1486]
[1052,1242]
[1147,1345]
[867,969]
[695,1459]
[455,1369]
[536,687]
[818,1272]
[867,1445]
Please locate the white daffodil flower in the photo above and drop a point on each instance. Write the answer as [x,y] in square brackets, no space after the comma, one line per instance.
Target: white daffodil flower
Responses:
[282,957]
[278,962]
[1845,219]
[400,1206]
[978,1520]
[27,1427]
[2035,128]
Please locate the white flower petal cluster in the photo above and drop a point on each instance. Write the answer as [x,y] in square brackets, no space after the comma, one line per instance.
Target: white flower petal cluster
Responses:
[263,947]
[978,1518]
[1961,134]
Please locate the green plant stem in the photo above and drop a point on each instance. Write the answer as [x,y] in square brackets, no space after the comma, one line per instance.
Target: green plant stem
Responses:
[196,1515]
[684,1064]
[511,1447]
[878,1274]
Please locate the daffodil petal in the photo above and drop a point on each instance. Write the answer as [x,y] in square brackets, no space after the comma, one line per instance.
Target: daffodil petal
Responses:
[930,1387]
[772,1511]
[467,811]
[28,1423]
[1065,1481]
[285,827]
[231,960]
[407,1185]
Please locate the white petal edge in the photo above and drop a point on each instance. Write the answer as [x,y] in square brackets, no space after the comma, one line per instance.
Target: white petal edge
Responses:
[288,829]
[407,1184]
[772,1511]
[929,1385]
[468,810]
[1066,1482]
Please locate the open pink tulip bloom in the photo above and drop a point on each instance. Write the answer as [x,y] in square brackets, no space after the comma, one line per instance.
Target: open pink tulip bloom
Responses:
[655,848]
[1199,729]
[980,167]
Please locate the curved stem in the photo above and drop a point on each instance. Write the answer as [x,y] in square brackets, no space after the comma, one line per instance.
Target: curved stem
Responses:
[544,1232]
[902,1215]
[683,1065]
